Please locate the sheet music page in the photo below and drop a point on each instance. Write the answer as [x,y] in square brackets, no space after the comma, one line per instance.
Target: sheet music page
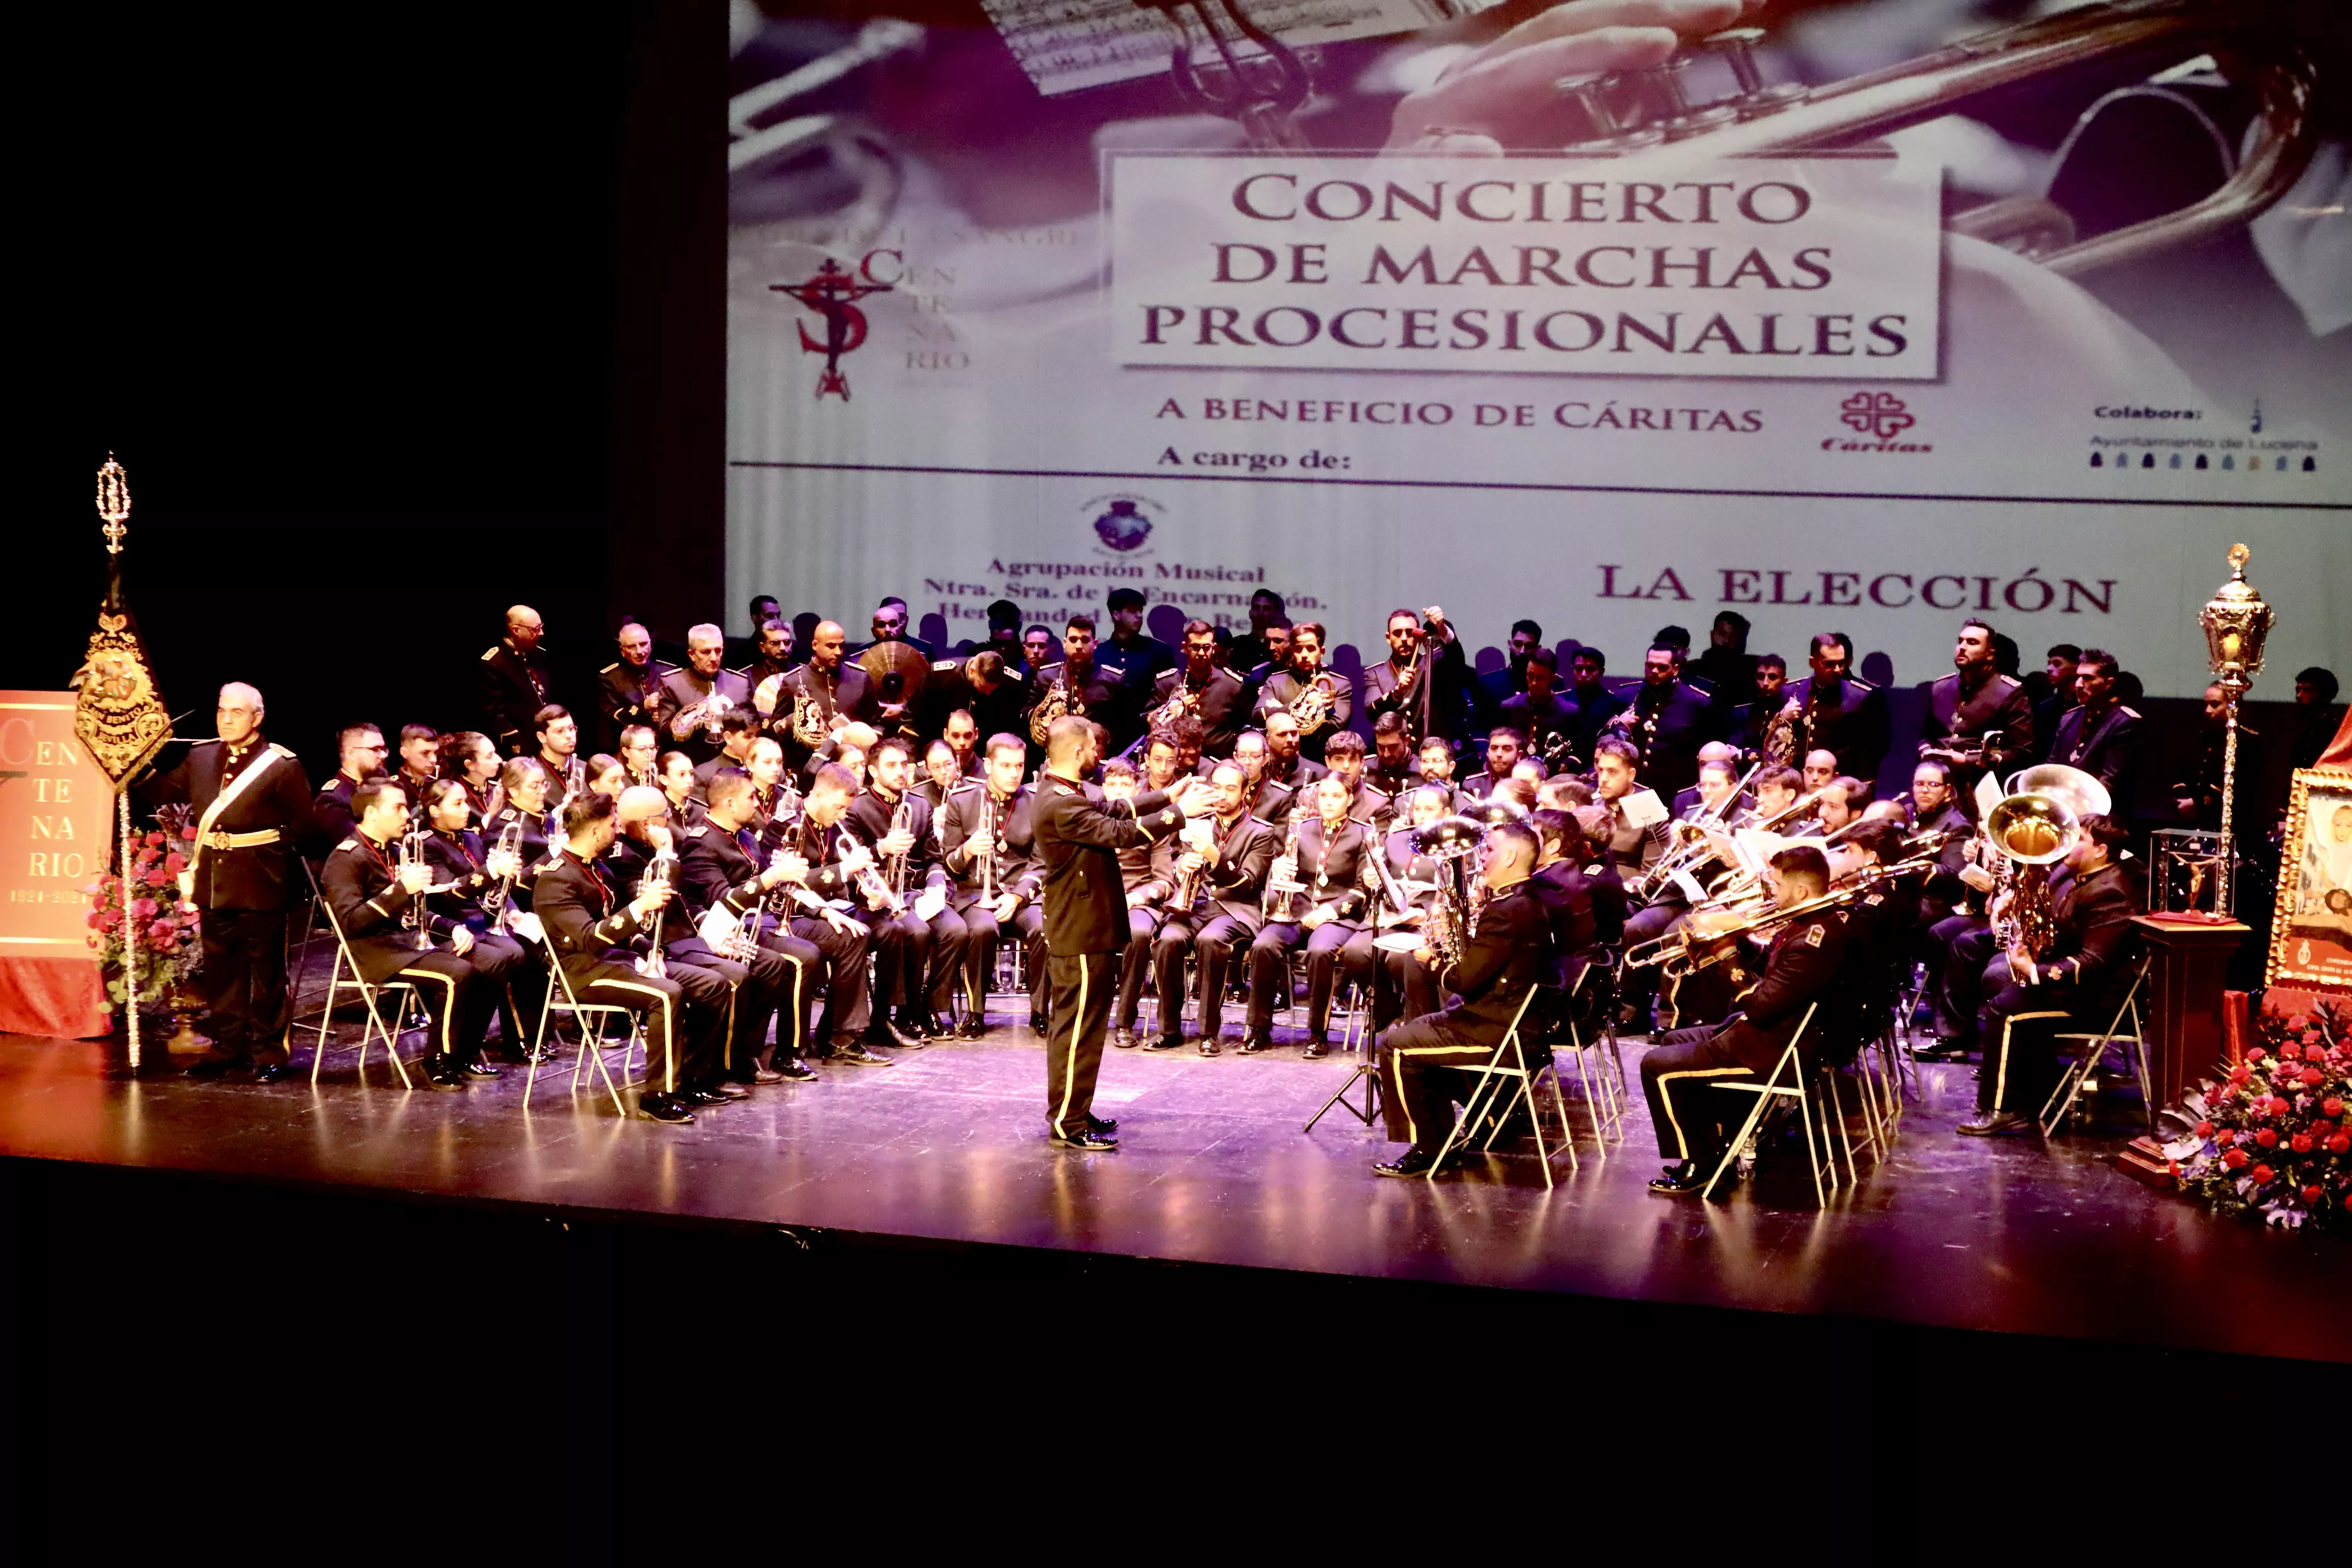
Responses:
[1641,807]
[1065,44]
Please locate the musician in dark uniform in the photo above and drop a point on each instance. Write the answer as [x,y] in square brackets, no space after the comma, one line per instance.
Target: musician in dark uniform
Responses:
[1131,660]
[1502,752]
[1393,771]
[1314,720]
[1078,683]
[1750,722]
[1225,862]
[597,939]
[771,653]
[1976,718]
[1491,690]
[360,752]
[918,961]
[1079,837]
[2079,983]
[1694,1120]
[523,788]
[1420,682]
[1213,695]
[1147,874]
[1333,864]
[2102,735]
[990,695]
[1561,886]
[248,803]
[514,682]
[1267,801]
[719,866]
[1539,711]
[1343,754]
[693,698]
[1508,953]
[370,899]
[629,689]
[986,834]
[1403,985]
[2196,796]
[464,872]
[1667,723]
[1833,711]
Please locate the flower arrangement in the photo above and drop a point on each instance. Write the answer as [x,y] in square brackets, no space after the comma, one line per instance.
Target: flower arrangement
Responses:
[169,949]
[2273,1140]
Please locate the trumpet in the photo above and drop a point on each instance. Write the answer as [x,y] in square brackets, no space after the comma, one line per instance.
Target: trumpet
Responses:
[902,820]
[1632,115]
[1702,942]
[879,895]
[1279,901]
[1198,837]
[986,854]
[494,901]
[660,872]
[412,853]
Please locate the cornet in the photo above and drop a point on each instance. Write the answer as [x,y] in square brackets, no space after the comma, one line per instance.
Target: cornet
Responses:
[494,901]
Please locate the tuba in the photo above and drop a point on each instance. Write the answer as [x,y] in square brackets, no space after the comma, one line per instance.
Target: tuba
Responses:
[1452,841]
[2031,830]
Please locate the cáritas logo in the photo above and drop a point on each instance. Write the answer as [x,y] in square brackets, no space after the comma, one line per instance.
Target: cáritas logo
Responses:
[1877,418]
[831,293]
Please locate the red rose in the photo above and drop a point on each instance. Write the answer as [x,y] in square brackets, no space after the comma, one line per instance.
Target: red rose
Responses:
[2332,1105]
[2340,1144]
[2262,1175]
[2300,1021]
[2311,1195]
[2313,1078]
[2234,1159]
[2172,1169]
[142,909]
[2256,1055]
[187,830]
[2314,1054]
[2204,1130]
[2267,1138]
[2279,1107]
[175,862]
[2240,1074]
[2300,1142]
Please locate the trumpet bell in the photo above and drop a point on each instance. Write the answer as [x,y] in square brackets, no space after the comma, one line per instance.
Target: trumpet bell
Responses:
[2083,794]
[1450,837]
[2031,829]
[1493,813]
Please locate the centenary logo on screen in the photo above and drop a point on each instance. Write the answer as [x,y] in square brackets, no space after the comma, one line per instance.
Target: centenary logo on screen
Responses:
[831,293]
[1121,524]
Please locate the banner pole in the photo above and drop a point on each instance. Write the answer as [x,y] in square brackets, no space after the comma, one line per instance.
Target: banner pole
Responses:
[129,930]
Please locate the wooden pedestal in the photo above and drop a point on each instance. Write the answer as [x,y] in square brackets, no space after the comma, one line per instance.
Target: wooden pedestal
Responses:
[2190,960]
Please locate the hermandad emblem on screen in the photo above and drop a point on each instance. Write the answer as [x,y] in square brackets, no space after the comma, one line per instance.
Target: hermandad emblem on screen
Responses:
[1878,414]
[829,293]
[1122,526]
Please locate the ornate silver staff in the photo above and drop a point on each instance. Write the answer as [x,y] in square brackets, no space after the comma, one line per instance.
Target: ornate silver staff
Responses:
[2236,621]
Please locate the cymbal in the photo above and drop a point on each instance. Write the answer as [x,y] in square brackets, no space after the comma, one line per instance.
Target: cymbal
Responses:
[895,670]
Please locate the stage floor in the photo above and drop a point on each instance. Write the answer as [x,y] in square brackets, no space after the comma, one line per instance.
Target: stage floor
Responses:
[1214,1168]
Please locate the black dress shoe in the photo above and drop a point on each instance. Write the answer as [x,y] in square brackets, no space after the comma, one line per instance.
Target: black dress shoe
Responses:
[447,1078]
[912,1035]
[856,1054]
[1037,1022]
[663,1108]
[764,1076]
[1164,1043]
[479,1069]
[974,1025]
[1090,1140]
[792,1070]
[1995,1124]
[1104,1124]
[1318,1047]
[1945,1050]
[1255,1042]
[889,1035]
[274,1072]
[1414,1162]
[1209,1046]
[216,1067]
[724,1091]
[1691,1178]
[1123,1039]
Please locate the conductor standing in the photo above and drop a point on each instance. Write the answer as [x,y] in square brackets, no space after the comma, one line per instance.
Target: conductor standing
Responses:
[1078,836]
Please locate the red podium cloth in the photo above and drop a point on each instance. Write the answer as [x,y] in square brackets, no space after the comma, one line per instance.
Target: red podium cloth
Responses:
[2339,750]
[61,996]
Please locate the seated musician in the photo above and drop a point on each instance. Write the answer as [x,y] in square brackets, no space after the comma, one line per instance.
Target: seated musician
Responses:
[1610,906]
[371,900]
[675,775]
[599,941]
[919,961]
[464,875]
[1538,710]
[1436,761]
[606,775]
[738,728]
[1819,770]
[1267,801]
[640,754]
[558,753]
[1636,851]
[1344,754]
[1286,763]
[1147,874]
[1502,751]
[469,757]
[1506,952]
[1694,1120]
[1842,800]
[1393,771]
[1332,862]
[420,764]
[1882,923]
[1564,889]
[2078,983]
[993,882]
[943,774]
[1223,864]
[720,865]
[747,987]
[1778,789]
[361,751]
[1403,984]
[523,786]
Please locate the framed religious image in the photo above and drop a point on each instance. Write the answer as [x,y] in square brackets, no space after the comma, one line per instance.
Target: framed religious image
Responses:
[2311,937]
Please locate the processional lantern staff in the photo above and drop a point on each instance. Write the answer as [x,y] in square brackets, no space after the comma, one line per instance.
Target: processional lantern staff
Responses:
[2236,621]
[119,716]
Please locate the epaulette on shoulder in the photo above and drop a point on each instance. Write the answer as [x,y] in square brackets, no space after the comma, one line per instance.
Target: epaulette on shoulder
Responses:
[2130,712]
[490,652]
[349,844]
[661,667]
[285,752]
[2008,681]
[610,668]
[941,666]
[694,832]
[1857,682]
[966,787]
[1261,821]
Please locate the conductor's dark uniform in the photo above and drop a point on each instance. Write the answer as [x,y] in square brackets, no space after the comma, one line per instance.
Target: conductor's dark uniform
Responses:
[1079,837]
[1694,1120]
[1421,1057]
[239,866]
